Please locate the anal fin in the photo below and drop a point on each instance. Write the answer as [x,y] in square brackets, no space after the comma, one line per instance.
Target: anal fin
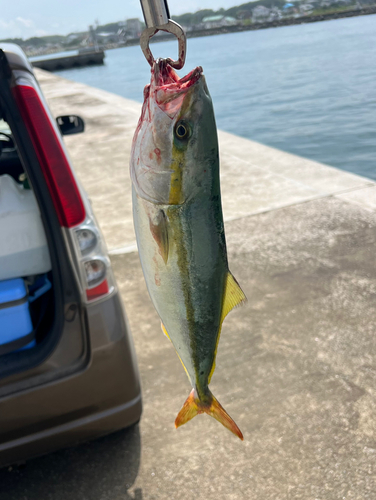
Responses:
[233,297]
[165,331]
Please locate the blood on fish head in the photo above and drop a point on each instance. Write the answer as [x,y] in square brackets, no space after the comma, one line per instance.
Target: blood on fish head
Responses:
[175,143]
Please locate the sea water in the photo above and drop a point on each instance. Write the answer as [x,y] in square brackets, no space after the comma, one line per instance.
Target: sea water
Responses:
[307,89]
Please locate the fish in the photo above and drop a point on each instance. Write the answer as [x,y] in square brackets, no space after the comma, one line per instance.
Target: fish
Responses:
[179,227]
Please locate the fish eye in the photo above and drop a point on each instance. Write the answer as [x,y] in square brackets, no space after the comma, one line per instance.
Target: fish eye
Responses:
[182,130]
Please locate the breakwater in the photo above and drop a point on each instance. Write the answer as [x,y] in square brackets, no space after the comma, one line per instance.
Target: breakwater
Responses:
[71,61]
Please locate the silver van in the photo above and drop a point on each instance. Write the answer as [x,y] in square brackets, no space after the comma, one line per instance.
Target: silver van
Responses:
[74,376]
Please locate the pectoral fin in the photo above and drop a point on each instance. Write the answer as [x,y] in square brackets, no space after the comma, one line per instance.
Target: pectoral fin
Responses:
[159,230]
[233,297]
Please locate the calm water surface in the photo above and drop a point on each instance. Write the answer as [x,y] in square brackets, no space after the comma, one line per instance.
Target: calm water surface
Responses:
[308,89]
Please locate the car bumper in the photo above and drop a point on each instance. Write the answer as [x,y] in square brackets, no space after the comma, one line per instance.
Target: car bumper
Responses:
[71,433]
[102,397]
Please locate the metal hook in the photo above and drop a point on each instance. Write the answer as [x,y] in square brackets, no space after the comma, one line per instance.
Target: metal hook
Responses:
[169,27]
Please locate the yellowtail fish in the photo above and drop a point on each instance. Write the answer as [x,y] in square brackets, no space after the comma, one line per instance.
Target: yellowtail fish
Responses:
[179,227]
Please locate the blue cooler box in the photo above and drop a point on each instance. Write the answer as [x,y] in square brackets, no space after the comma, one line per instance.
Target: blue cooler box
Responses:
[16,328]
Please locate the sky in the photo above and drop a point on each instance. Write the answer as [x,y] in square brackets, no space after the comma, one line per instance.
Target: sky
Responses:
[27,18]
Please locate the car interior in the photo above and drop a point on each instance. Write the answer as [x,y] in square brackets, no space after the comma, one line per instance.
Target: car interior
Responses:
[39,287]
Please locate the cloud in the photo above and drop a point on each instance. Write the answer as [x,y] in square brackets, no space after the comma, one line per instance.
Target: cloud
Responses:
[28,23]
[20,27]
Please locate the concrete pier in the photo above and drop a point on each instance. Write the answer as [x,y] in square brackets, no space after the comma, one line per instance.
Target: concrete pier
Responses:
[296,365]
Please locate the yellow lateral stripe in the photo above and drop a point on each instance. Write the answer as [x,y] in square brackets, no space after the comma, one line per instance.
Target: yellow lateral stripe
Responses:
[176,180]
[233,296]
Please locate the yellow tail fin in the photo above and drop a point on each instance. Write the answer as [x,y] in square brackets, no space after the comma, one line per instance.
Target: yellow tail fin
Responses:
[193,406]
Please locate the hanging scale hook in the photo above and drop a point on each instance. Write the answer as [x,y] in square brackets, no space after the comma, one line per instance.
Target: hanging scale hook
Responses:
[157,18]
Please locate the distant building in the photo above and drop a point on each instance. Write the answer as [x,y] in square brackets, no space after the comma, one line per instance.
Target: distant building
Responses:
[218,21]
[75,39]
[72,37]
[306,8]
[288,9]
[260,13]
[244,14]
[275,14]
[107,37]
[133,28]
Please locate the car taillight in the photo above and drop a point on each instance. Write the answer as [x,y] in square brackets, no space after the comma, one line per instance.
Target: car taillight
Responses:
[87,240]
[53,161]
[98,291]
[74,213]
[91,253]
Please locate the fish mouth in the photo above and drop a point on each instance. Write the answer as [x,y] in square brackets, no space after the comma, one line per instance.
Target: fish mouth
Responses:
[167,84]
[165,76]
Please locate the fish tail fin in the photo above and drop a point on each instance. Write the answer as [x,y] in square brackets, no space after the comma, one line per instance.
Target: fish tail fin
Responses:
[193,406]
[189,410]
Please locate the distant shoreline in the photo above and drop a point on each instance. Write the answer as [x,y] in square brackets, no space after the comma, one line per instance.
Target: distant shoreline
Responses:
[162,36]
[269,24]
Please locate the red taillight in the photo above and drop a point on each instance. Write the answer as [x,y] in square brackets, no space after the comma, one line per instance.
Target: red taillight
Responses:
[56,169]
[94,293]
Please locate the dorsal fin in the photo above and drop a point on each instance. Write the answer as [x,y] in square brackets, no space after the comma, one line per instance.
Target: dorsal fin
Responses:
[233,296]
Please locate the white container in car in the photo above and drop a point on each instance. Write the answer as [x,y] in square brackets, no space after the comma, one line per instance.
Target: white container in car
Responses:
[23,244]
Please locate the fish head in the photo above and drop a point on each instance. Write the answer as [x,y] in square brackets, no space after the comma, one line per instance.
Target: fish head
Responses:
[175,147]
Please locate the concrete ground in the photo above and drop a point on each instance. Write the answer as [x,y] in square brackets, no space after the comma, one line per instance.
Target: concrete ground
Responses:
[296,365]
